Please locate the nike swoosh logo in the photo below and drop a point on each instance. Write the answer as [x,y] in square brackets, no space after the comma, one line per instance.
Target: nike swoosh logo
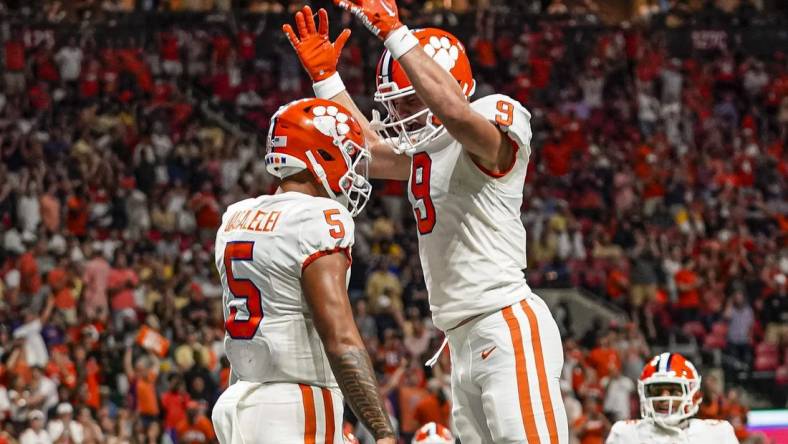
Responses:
[388,10]
[486,353]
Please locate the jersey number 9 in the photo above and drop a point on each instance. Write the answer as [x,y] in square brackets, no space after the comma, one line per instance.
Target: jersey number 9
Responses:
[423,208]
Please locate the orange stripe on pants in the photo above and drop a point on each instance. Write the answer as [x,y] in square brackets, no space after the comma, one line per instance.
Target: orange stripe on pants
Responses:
[310,420]
[523,389]
[328,405]
[544,390]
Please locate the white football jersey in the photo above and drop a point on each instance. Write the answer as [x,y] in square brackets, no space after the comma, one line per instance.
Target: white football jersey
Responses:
[471,238]
[698,431]
[262,247]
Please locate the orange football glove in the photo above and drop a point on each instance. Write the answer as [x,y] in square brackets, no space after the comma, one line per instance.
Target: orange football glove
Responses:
[317,54]
[379,16]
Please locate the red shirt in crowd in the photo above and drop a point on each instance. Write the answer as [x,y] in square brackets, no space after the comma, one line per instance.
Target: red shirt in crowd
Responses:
[14,55]
[39,97]
[45,67]
[687,298]
[30,278]
[89,80]
[246,47]
[541,67]
[221,48]
[174,404]
[557,156]
[77,215]
[169,47]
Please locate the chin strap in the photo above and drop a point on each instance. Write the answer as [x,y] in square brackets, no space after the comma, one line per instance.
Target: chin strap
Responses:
[321,173]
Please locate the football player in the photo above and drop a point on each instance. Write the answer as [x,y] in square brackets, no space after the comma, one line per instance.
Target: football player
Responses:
[466,164]
[669,390]
[284,263]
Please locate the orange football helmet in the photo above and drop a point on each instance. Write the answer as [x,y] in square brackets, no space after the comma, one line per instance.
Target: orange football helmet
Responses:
[674,374]
[433,433]
[322,137]
[393,84]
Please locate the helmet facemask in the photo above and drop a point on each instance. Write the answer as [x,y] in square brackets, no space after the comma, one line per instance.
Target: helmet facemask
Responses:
[669,410]
[398,129]
[354,186]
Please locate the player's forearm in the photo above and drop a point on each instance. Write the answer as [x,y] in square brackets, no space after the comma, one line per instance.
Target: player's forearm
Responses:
[356,378]
[435,87]
[343,98]
[385,163]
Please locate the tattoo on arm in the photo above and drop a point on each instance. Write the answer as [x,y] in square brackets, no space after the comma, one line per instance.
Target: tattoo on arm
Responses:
[356,379]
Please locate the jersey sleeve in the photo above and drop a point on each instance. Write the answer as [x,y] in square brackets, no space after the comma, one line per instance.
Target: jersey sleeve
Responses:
[509,116]
[327,228]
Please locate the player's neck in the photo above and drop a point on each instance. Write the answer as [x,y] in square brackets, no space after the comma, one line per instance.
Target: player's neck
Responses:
[304,186]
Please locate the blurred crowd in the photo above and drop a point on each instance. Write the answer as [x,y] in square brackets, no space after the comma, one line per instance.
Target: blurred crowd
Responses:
[656,183]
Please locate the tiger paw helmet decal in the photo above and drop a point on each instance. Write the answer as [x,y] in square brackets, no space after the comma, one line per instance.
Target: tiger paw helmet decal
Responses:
[330,121]
[443,52]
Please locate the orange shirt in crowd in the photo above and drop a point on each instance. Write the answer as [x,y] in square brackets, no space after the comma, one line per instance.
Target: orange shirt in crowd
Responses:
[409,398]
[429,409]
[64,299]
[600,358]
[65,373]
[93,381]
[147,404]
[224,378]
[198,433]
[594,432]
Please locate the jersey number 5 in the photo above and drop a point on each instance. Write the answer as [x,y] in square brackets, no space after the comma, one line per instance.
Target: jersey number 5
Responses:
[242,325]
[337,230]
[423,207]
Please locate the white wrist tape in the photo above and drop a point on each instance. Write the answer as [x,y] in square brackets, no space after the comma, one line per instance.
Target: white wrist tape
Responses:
[328,88]
[400,41]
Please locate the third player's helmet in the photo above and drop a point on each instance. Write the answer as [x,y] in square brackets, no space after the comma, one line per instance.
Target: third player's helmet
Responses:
[432,433]
[321,136]
[393,84]
[669,389]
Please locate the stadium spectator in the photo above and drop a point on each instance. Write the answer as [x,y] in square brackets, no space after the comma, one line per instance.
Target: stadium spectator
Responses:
[65,428]
[35,433]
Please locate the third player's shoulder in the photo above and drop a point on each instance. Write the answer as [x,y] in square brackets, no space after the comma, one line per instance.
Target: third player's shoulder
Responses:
[627,424]
[623,431]
[507,114]
[716,428]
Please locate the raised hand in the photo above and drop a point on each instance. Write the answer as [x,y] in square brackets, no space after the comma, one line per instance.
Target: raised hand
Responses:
[317,54]
[379,16]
